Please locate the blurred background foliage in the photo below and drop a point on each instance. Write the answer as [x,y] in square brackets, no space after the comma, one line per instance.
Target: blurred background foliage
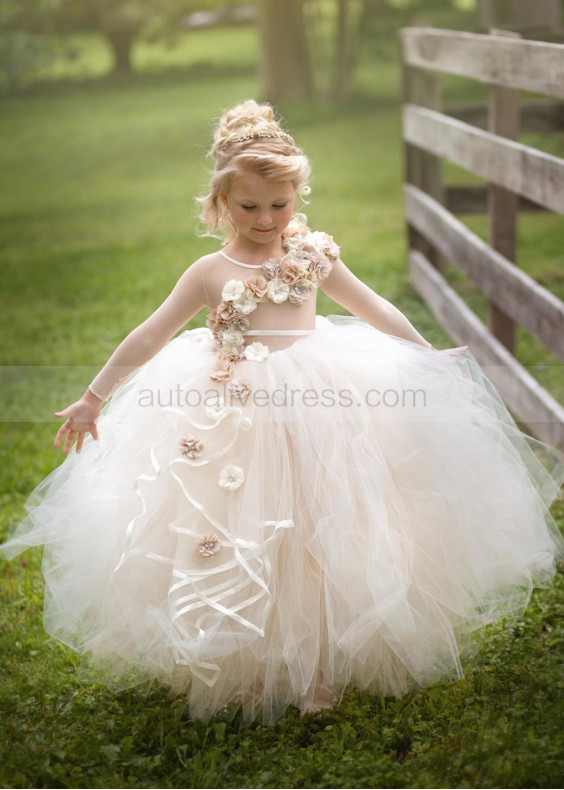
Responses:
[304,49]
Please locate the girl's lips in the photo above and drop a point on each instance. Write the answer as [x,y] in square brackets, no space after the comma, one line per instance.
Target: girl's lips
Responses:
[264,230]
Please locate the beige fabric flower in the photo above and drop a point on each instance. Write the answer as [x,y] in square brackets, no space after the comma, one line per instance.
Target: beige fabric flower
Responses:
[208,545]
[300,292]
[223,371]
[291,272]
[191,448]
[257,287]
[213,321]
[227,313]
[322,267]
[239,388]
[271,268]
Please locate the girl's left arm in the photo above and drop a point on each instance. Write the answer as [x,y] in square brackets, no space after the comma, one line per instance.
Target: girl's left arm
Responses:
[359,299]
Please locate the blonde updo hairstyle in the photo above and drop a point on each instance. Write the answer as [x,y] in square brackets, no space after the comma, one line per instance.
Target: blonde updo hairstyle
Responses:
[274,156]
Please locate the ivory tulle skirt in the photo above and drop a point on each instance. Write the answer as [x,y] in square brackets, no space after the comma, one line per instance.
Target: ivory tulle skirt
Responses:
[365,506]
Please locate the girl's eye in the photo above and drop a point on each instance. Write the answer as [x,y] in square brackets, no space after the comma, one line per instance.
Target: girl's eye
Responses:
[282,206]
[249,208]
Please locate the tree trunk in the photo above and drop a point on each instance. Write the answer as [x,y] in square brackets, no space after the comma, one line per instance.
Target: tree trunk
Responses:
[286,70]
[121,42]
[344,51]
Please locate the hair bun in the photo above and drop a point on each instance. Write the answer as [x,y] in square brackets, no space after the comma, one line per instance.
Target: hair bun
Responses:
[245,118]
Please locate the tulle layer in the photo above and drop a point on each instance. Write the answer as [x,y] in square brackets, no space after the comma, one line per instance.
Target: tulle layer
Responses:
[355,530]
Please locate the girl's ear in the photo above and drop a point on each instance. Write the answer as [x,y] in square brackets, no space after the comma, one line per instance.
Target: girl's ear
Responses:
[223,198]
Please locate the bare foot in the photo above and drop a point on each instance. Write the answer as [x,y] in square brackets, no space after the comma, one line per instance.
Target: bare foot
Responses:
[322,699]
[246,696]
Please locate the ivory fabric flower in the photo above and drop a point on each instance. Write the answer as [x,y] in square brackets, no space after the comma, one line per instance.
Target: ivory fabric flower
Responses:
[278,290]
[239,388]
[245,303]
[231,477]
[208,545]
[257,352]
[191,448]
[231,337]
[232,290]
[215,404]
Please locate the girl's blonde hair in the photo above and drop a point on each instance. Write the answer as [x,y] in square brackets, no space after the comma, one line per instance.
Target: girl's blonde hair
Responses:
[247,137]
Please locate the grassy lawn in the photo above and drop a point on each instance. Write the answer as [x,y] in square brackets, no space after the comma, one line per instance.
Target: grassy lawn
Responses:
[98,223]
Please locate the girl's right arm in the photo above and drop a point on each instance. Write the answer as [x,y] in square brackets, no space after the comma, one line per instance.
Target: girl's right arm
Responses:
[141,344]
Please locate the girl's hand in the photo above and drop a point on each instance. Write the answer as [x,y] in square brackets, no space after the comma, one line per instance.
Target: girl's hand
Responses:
[80,419]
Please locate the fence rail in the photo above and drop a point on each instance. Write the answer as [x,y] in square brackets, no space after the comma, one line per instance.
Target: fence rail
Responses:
[520,177]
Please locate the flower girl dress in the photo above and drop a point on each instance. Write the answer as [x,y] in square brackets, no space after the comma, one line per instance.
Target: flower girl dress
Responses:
[283,501]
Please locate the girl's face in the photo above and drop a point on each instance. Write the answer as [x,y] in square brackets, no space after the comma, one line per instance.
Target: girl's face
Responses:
[260,209]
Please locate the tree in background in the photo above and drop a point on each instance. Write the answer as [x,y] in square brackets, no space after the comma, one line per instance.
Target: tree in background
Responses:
[30,27]
[286,68]
[121,22]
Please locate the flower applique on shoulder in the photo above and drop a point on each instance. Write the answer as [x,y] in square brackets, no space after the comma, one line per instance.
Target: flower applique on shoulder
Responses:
[292,277]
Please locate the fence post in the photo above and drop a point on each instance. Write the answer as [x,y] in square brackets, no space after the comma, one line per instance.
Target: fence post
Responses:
[503,205]
[424,170]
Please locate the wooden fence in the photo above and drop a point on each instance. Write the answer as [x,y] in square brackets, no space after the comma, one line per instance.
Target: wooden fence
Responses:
[520,178]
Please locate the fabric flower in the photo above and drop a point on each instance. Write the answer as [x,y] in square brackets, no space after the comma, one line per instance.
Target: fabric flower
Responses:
[291,272]
[323,243]
[231,337]
[213,321]
[215,405]
[209,545]
[245,303]
[227,313]
[223,371]
[278,290]
[257,287]
[299,292]
[292,242]
[322,267]
[297,257]
[232,290]
[236,354]
[231,477]
[239,388]
[271,267]
[257,352]
[191,448]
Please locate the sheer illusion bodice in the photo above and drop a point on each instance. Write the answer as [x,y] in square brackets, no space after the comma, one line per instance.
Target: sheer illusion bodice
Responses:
[277,325]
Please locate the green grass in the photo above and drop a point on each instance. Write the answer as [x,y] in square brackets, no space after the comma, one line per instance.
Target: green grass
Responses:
[98,223]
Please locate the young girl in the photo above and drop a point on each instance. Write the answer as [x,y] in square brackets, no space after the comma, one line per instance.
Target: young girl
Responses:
[282,502]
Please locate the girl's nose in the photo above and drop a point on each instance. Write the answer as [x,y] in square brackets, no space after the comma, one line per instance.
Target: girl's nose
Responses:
[265,220]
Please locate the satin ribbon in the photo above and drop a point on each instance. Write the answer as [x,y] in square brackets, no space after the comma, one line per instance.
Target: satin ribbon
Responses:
[246,553]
